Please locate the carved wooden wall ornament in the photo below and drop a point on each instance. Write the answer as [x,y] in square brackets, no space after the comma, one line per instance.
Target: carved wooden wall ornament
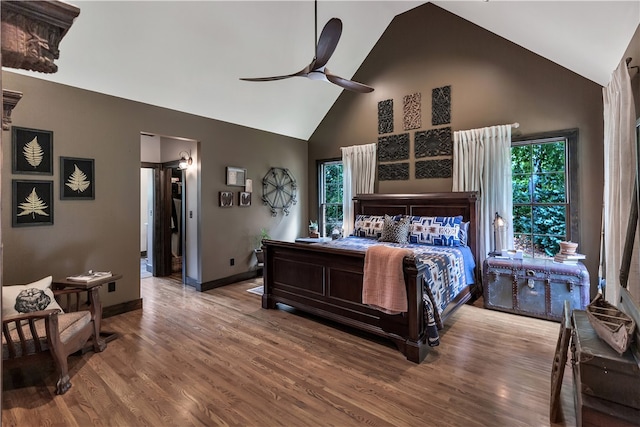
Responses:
[393,147]
[9,100]
[441,168]
[434,142]
[441,105]
[393,172]
[412,111]
[385,116]
[32,31]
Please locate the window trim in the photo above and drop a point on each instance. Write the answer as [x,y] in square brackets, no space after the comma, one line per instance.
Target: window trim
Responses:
[572,168]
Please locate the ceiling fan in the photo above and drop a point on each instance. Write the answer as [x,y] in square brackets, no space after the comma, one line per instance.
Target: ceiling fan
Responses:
[317,69]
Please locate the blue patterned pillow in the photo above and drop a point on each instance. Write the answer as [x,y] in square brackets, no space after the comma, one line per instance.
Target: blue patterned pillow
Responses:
[368,226]
[435,230]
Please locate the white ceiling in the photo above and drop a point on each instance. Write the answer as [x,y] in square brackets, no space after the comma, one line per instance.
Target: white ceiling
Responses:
[188,56]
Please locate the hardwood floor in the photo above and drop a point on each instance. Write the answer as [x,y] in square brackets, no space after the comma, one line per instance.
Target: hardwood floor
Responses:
[217,358]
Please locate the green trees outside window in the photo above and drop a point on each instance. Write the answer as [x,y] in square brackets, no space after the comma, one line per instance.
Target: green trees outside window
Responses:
[540,195]
[330,191]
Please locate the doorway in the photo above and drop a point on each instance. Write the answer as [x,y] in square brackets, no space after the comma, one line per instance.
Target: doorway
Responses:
[177,223]
[165,194]
[162,237]
[147,208]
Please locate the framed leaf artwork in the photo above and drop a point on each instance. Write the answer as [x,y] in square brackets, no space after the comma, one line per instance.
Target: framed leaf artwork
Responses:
[77,179]
[32,203]
[31,151]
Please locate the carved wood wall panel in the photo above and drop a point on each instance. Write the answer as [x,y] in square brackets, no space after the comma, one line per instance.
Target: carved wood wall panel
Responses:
[32,31]
[393,172]
[442,168]
[441,105]
[9,100]
[412,116]
[385,116]
[393,147]
[433,142]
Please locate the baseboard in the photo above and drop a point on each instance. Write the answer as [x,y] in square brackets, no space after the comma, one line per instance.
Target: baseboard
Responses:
[202,287]
[190,281]
[123,307]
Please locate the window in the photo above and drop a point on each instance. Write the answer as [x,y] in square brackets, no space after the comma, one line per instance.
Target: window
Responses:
[544,192]
[330,196]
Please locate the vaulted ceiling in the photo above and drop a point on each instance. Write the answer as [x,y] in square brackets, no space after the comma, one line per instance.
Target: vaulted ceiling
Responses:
[188,56]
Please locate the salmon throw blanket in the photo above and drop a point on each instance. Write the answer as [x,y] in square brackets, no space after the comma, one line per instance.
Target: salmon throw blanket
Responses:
[383,285]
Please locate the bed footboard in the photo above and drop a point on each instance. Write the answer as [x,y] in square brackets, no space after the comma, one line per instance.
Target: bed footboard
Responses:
[327,282]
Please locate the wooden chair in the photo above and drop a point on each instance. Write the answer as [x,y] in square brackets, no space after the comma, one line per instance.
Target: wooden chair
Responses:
[27,338]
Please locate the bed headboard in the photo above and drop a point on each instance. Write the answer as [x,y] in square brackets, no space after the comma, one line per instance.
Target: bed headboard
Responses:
[424,204]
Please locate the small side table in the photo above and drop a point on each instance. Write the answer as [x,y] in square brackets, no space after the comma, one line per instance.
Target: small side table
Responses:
[66,283]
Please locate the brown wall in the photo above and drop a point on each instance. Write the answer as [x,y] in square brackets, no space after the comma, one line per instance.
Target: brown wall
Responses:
[633,52]
[493,81]
[105,233]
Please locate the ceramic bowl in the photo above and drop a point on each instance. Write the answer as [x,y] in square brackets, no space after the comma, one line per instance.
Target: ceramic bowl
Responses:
[568,248]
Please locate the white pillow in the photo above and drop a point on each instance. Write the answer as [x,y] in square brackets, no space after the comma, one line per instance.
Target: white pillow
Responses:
[35,296]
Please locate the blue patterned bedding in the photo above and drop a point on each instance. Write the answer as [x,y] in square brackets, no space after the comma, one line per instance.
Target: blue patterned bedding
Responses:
[448,271]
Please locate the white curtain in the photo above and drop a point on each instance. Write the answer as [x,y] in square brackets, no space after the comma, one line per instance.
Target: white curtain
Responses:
[482,162]
[358,174]
[619,168]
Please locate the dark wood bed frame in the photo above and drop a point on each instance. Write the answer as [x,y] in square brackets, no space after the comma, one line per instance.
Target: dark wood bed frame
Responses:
[327,282]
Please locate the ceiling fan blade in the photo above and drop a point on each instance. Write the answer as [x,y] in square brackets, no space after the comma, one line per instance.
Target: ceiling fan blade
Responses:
[265,79]
[347,84]
[301,73]
[327,42]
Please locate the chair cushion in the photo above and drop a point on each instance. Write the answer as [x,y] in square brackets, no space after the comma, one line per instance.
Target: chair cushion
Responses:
[68,325]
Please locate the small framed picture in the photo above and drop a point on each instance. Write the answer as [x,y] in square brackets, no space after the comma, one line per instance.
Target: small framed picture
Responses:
[244,198]
[226,199]
[77,179]
[32,203]
[236,176]
[31,151]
